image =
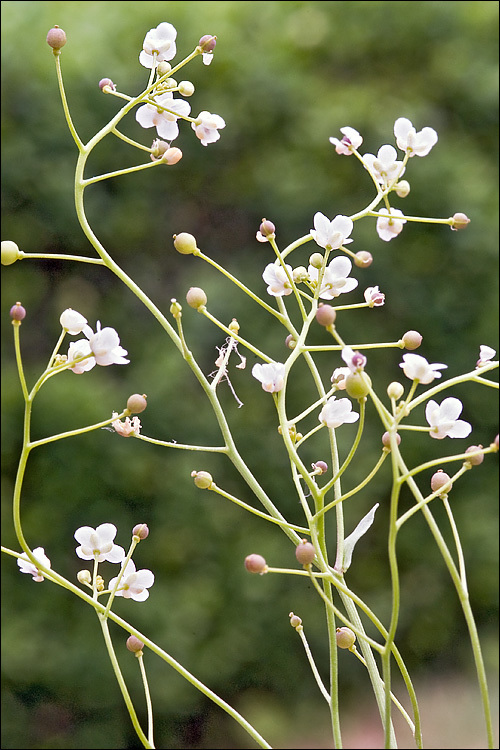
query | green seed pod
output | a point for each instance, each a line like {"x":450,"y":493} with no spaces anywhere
{"x":357,"y":384}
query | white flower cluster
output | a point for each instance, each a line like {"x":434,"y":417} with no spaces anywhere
{"x":159,"y":46}
{"x":99,"y":348}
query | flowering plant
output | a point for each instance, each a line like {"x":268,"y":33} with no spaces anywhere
{"x":295,"y":303}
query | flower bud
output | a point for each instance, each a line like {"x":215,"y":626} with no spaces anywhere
{"x":316,"y":260}
{"x":172,"y":156}
{"x":186,"y":88}
{"x":321,"y":467}
{"x":84,"y":576}
{"x":358,"y":384}
{"x":17,"y":312}
{"x":99,"y":583}
{"x":460,"y":221}
{"x":234,"y":326}
{"x":196,"y":297}
{"x":56,"y":38}
{"x":290,"y":341}
{"x":402,"y":188}
{"x":325,"y":315}
{"x":345,"y":638}
{"x":135,"y":645}
{"x":10,"y":252}
{"x":411,"y":340}
{"x":141,"y":530}
{"x":185,"y":243}
{"x":300,"y":274}
{"x":256,"y":564}
{"x":202,"y":479}
{"x":495,"y":442}
{"x":479,"y":458}
{"x":106,"y":83}
{"x":207,"y":43}
{"x":439,"y":479}
{"x":386,"y":439}
{"x":136,"y":403}
{"x":295,"y":621}
{"x":305,"y":552}
{"x":163,"y":68}
{"x":363,"y":259}
{"x":395,"y":390}
{"x":175,"y":309}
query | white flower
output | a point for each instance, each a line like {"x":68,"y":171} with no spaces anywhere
{"x":278,"y":282}
{"x":72,"y":321}
{"x":338,"y":377}
{"x":160,"y":40}
{"x":334,"y":413}
{"x":206,"y":127}
{"x":128,"y":427}
{"x":97,"y":544}
{"x":486,"y":353}
{"x":389,"y":225}
{"x":355,"y":361}
{"x":444,"y":421}
{"x":335,"y":279}
{"x":105,"y":346}
{"x":374,"y":297}
{"x":149,"y":116}
{"x":415,"y":144}
{"x":26,"y":566}
{"x":351,"y":141}
{"x":271,"y":375}
{"x":207,"y":57}
{"x":416,"y":367}
{"x":79,"y":349}
{"x":331,"y":234}
{"x":133,"y":583}
{"x":384,"y":166}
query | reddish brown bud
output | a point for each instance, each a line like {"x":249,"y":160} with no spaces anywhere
{"x":255,"y":564}
{"x":479,"y":458}
{"x":106,"y":82}
{"x":325,"y":315}
{"x":141,"y":530}
{"x":208,"y":42}
{"x":56,"y":38}
{"x":305,"y":552}
{"x":17,"y":312}
{"x":439,"y":480}
{"x":135,"y":645}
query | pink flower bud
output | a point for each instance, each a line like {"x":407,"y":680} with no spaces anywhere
{"x":439,"y":480}
{"x":479,"y":458}
{"x":412,"y":340}
{"x":17,"y":312}
{"x":172,"y":156}
{"x":325,"y":315}
{"x":321,"y":467}
{"x":386,"y":439}
{"x":305,"y":552}
{"x":136,"y":403}
{"x":460,"y":221}
{"x":135,"y":645}
{"x":255,"y":564}
{"x":141,"y":530}
{"x":106,"y":83}
{"x":56,"y":38}
{"x":290,"y":341}
{"x":207,"y":43}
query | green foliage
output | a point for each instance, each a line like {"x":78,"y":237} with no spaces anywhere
{"x":286,"y":76}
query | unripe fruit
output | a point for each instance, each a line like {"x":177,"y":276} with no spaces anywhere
{"x":358,"y":384}
{"x":202,"y":479}
{"x":136,"y":403}
{"x":196,"y":297}
{"x":305,"y":552}
{"x":56,"y":38}
{"x":439,"y":480}
{"x":185,"y":243}
{"x":345,"y":637}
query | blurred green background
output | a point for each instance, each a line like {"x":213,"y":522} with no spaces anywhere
{"x":286,"y":76}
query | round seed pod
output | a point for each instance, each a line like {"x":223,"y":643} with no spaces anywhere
{"x":305,"y":552}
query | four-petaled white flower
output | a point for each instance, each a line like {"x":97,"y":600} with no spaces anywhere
{"x":374,"y":297}
{"x":26,"y":566}
{"x":271,"y":375}
{"x":105,"y":346}
{"x":160,"y":41}
{"x":337,"y":412}
{"x":278,"y":282}
{"x":78,"y":349}
{"x":72,"y":321}
{"x":207,"y":126}
{"x":334,"y":281}
{"x":415,"y":144}
{"x":331,"y":234}
{"x":97,"y":544}
{"x":486,"y":353}
{"x":416,"y":367}
{"x":351,"y":141}
{"x":444,"y":421}
{"x":128,"y":427}
{"x":133,"y":584}
{"x":390,"y":224}
{"x":165,"y":122}
{"x":384,"y":166}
